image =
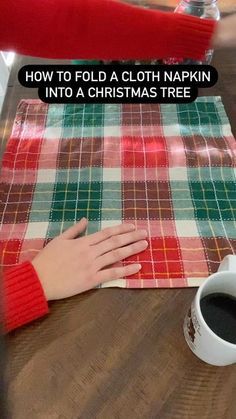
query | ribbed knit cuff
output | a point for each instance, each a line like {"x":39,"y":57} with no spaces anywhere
{"x":24,"y":299}
{"x":192,"y":36}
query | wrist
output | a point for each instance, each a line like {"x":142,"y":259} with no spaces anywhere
{"x":41,"y":277}
{"x":218,"y":40}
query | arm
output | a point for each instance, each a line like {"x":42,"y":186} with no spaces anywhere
{"x":67,"y":266}
{"x":24,"y":298}
{"x":99,"y":29}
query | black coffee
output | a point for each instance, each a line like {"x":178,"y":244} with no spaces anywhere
{"x":219,"y":312}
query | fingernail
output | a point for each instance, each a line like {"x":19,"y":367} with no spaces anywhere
{"x":139,"y":266}
{"x":144,"y":232}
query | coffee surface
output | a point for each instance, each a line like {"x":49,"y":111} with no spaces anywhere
{"x":219,"y":312}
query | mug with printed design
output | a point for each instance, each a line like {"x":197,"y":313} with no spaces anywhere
{"x":210,"y":324}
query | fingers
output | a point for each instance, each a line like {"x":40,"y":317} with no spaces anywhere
{"x":75,"y":230}
{"x":117,"y":273}
{"x":121,"y":253}
{"x":106,"y":233}
{"x":120,"y":240}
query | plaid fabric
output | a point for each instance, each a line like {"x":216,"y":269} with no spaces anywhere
{"x":167,"y":168}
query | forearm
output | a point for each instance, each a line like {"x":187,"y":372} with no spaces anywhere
{"x":99,"y":29}
{"x":24,"y":299}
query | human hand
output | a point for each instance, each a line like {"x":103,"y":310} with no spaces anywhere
{"x":69,"y":265}
{"x":225,"y":35}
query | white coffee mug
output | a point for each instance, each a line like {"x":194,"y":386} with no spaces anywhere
{"x":204,"y":343}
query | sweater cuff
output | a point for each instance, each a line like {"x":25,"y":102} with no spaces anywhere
{"x":24,"y":297}
{"x":193,"y":38}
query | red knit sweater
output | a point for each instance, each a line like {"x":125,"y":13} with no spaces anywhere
{"x":87,"y":29}
{"x":102,"y":29}
{"x":24,"y":299}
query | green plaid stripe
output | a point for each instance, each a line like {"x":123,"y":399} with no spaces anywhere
{"x":224,"y":174}
{"x":213,"y":200}
{"x":182,"y":201}
{"x":83,"y":175}
{"x":203,"y":117}
{"x":111,"y":201}
{"x":73,"y":201}
{"x":42,"y":201}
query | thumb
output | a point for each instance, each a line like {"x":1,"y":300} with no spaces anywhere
{"x":74,"y":231}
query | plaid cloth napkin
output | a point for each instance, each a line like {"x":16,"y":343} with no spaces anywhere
{"x":167,"y":168}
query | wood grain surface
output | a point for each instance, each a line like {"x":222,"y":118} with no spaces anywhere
{"x":111,"y":353}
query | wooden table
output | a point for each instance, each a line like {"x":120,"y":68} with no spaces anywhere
{"x":112,"y":353}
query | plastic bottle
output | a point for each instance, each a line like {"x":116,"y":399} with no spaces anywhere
{"x":205,"y":9}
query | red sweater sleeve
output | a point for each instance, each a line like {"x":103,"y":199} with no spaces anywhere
{"x":99,"y":29}
{"x":24,"y":299}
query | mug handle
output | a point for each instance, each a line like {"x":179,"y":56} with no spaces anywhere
{"x":228,"y":264}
